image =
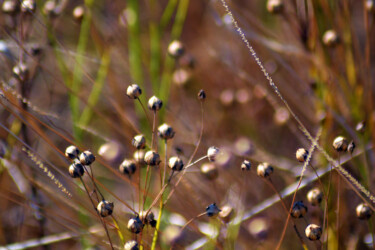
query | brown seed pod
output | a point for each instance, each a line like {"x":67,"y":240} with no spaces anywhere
{"x":133,"y":91}
{"x":212,"y":210}
{"x":340,"y":144}
{"x":154,"y":103}
{"x":313,"y":232}
{"x":246,"y":165}
{"x":139,"y":157}
{"x":175,"y":163}
{"x":330,"y":38}
{"x":72,"y":152}
{"x":28,"y":6}
{"x":76,"y":170}
{"x":226,"y":213}
{"x":128,"y":167}
{"x":176,"y":49}
{"x":299,"y":210}
{"x":264,"y":170}
{"x":209,"y":170}
{"x":139,"y":142}
{"x":152,"y":158}
{"x":148,"y":219}
{"x":131,"y":245}
{"x":301,"y":154}
{"x":105,"y":208}
{"x":201,"y":95}
{"x":275,"y":6}
{"x":86,"y":157}
{"x":165,"y":132}
{"x":315,"y":196}
{"x":363,"y":211}
{"x":135,"y":225}
{"x":212,"y":152}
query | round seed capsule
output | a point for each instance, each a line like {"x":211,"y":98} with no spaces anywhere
{"x":28,"y":6}
{"x":152,"y":158}
{"x":361,"y":127}
{"x":175,"y":163}
{"x":176,"y":49}
{"x":301,"y":154}
{"x":76,"y":170}
{"x":165,"y":132}
{"x":212,"y":210}
{"x":275,"y":6}
{"x":72,"y":152}
{"x":148,"y":218}
{"x":21,"y":71}
{"x":10,"y":6}
{"x":226,"y":213}
{"x":363,"y":211}
{"x":78,"y":13}
{"x":139,"y":142}
{"x":154,"y":103}
{"x":131,"y":245}
{"x":351,"y":147}
{"x":246,"y":165}
{"x":330,"y":38}
{"x":340,"y":144}
{"x":139,"y":157}
{"x":128,"y":167}
{"x":133,"y":91}
{"x":49,"y":8}
{"x":212,"y":152}
{"x":86,"y":157}
{"x":209,"y":171}
{"x":313,"y":232}
{"x":299,"y":210}
{"x":105,"y":208}
{"x":370,"y":5}
{"x":315,"y":196}
{"x":264,"y":170}
{"x":135,"y":225}
{"x":201,"y":95}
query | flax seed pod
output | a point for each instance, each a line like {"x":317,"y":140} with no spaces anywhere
{"x":139,"y":157}
{"x":212,"y":210}
{"x":131,"y":245}
{"x":226,"y":213}
{"x":175,"y":163}
{"x":139,"y":142}
{"x":78,"y":13}
{"x":315,"y":196}
{"x":313,"y":232}
{"x":86,"y":157}
{"x":148,"y":218}
{"x":201,"y":95}
{"x":301,"y":154}
{"x":165,"y":132}
{"x":340,"y":144}
{"x":264,"y":170}
{"x":72,"y":152}
{"x":299,"y":210}
{"x":152,"y":158}
{"x":28,"y":6}
{"x":212,"y":152}
{"x":10,"y":7}
{"x":135,"y":225}
{"x":209,"y":170}
{"x":128,"y":167}
{"x":176,"y":49}
{"x":105,"y":208}
{"x":21,"y":71}
{"x":351,"y":147}
{"x":275,"y":6}
{"x":133,"y":91}
{"x":246,"y":165}
{"x":154,"y":103}
{"x":330,"y":38}
{"x":363,"y":211}
{"x":76,"y":170}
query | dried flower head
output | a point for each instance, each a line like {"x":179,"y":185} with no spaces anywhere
{"x":139,"y":157}
{"x":72,"y":152}
{"x":330,"y":38}
{"x":148,"y":218}
{"x":128,"y":167}
{"x":76,"y":170}
{"x":139,"y":142}
{"x":133,"y":91}
{"x":152,"y":158}
{"x":363,"y":211}
{"x":135,"y":225}
{"x":246,"y":165}
{"x":176,"y":49}
{"x":105,"y":208}
{"x":299,"y":210}
{"x":301,"y":154}
{"x":313,"y":232}
{"x":212,"y":152}
{"x":131,"y":245}
{"x":340,"y":144}
{"x":175,"y":163}
{"x":264,"y":170}
{"x":87,"y":158}
{"x":209,"y":170}
{"x":212,"y":210}
{"x":226,"y":213}
{"x":201,"y":95}
{"x":165,"y":132}
{"x":275,"y":6}
{"x":154,"y":103}
{"x":315,"y":196}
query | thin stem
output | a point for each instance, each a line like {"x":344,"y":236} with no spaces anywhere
{"x":165,"y":162}
{"x":144,"y":110}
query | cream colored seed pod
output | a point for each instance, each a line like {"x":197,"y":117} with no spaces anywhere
{"x":246,"y":165}
{"x":330,"y":38}
{"x":315,"y":196}
{"x":363,"y":211}
{"x":165,"y":132}
{"x":78,"y":13}
{"x":313,"y":232}
{"x":299,"y":210}
{"x":28,"y":6}
{"x":154,"y":103}
{"x":176,"y":49}
{"x":275,"y":6}
{"x":264,"y":170}
{"x":209,"y":170}
{"x":135,"y":225}
{"x":10,"y":6}
{"x":133,"y":91}
{"x":76,"y":170}
{"x":226,"y":213}
{"x":86,"y":157}
{"x":340,"y":144}
{"x":212,"y":152}
{"x":175,"y":163}
{"x":72,"y":152}
{"x":139,"y":157}
{"x":131,"y":245}
{"x":139,"y":142}
{"x":152,"y":158}
{"x":105,"y":208}
{"x":148,"y":218}
{"x":301,"y":154}
{"x":21,"y":71}
{"x":128,"y":167}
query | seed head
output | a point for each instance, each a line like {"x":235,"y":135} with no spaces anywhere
{"x":105,"y":208}
{"x":201,"y":95}
{"x":139,"y":157}
{"x":133,"y":91}
{"x":299,"y":210}
{"x":176,"y":49}
{"x":154,"y":103}
{"x":361,"y":126}
{"x":330,"y":38}
{"x":175,"y":163}
{"x":212,"y":210}
{"x":135,"y":225}
{"x":363,"y":211}
{"x":78,"y":13}
{"x":139,"y":142}
{"x":275,"y":6}
{"x":21,"y":71}
{"x":152,"y":158}
{"x":313,"y":232}
{"x":131,"y":245}
{"x":49,"y":8}
{"x":340,"y":144}
{"x":165,"y":132}
{"x":210,"y":171}
{"x":72,"y":152}
{"x":147,"y":219}
{"x":86,"y":157}
{"x":128,"y":167}
{"x":264,"y":170}
{"x":315,"y":196}
{"x":246,"y":165}
{"x":301,"y":154}
{"x":212,"y":152}
{"x":76,"y":170}
{"x":370,"y":5}
{"x":226,"y":213}
{"x":351,"y":147}
{"x":10,"y":6}
{"x":28,"y":6}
